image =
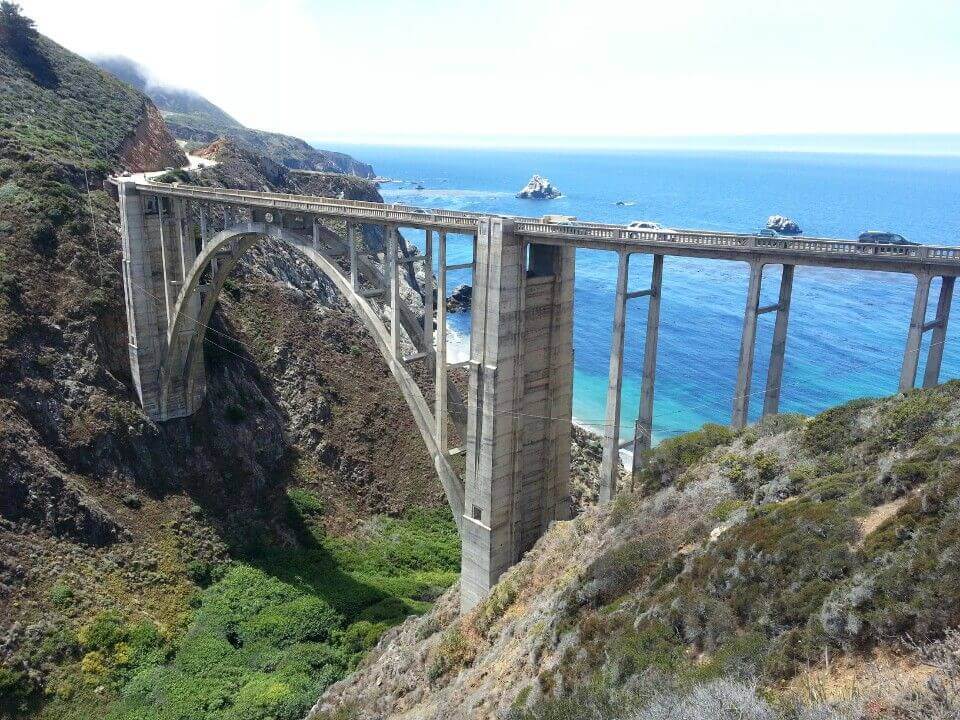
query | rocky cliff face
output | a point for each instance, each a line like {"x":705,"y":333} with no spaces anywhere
{"x":101,"y":510}
{"x":777,"y":573}
{"x":150,"y":146}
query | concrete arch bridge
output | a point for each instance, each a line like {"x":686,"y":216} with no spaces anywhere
{"x":516,"y":428}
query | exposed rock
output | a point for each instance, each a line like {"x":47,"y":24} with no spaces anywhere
{"x":783,"y":225}
{"x":460,"y":298}
{"x":539,"y":188}
{"x":149,"y":146}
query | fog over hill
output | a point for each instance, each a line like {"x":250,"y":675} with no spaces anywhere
{"x":195,"y":120}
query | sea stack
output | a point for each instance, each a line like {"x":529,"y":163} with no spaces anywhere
{"x":539,"y":189}
{"x":783,"y":225}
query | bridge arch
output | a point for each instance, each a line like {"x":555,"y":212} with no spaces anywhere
{"x":182,"y":360}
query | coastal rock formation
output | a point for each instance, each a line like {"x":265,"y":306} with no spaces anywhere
{"x":459,"y":300}
{"x":783,"y":225}
{"x":539,"y":188}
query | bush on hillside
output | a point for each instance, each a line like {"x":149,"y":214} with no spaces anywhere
{"x":18,"y":34}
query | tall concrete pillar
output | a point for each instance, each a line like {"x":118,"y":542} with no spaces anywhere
{"x":521,"y":365}
{"x":157,"y":244}
{"x":544,"y":474}
{"x":741,"y":394}
{"x":391,"y":262}
{"x":931,"y":373}
{"x":911,"y":353}
{"x":610,"y":464}
{"x":145,"y":340}
{"x":428,"y":297}
{"x":644,"y":428}
{"x":778,"y":349}
{"x":440,"y":383}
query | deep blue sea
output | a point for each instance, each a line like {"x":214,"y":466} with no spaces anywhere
{"x":847,"y":329}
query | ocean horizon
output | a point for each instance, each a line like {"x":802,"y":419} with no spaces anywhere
{"x":847,"y":328}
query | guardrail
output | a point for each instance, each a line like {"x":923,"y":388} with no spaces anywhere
{"x":577,"y":232}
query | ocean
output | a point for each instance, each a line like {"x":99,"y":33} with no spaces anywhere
{"x":847,"y":328}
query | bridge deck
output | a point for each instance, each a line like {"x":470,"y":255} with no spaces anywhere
{"x":824,"y":252}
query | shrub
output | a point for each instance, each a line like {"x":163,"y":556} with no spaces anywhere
{"x":777,"y":424}
{"x":834,"y":430}
{"x":618,"y":569}
{"x":453,"y":652}
{"x":767,"y":465}
{"x":305,"y":501}
{"x":734,"y":468}
{"x":904,"y":420}
{"x":664,"y":463}
{"x":17,"y":692}
{"x":61,"y":595}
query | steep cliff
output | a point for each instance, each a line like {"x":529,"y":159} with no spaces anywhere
{"x":122,"y":537}
{"x":783,"y":572}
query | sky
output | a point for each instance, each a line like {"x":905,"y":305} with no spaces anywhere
{"x":582,"y":72}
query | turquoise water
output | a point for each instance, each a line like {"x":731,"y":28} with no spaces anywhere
{"x":847,"y":329}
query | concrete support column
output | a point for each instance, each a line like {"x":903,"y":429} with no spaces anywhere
{"x":352,"y":250}
{"x":741,"y":394}
{"x":610,"y":465}
{"x":644,"y":428}
{"x":493,"y":404}
{"x":428,"y":298}
{"x":931,"y":373}
{"x":440,"y":402}
{"x":542,"y":490}
{"x":145,"y":343}
{"x":394,"y":284}
{"x":165,"y":263}
{"x":911,"y":353}
{"x":778,"y":349}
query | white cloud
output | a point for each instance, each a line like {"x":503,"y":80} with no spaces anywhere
{"x":396,"y":70}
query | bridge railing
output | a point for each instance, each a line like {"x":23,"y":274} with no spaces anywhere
{"x":466,"y":222}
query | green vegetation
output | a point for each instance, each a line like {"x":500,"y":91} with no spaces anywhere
{"x":665,"y":463}
{"x":802,"y":568}
{"x":270,"y":631}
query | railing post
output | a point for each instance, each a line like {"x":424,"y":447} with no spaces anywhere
{"x":778,"y":349}
{"x":931,"y":373}
{"x":911,"y":353}
{"x":741,"y":394}
{"x":610,"y":464}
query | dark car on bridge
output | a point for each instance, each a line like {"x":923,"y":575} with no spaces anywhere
{"x":878,"y":237}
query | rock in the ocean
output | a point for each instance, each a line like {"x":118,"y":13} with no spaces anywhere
{"x":539,"y":189}
{"x":783,"y":225}
{"x":460,"y":299}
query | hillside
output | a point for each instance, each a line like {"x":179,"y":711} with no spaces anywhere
{"x":227,"y":565}
{"x":799,"y":569}
{"x":193,"y":119}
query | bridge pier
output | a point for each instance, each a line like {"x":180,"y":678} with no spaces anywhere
{"x":643,"y":436}
{"x":518,"y":428}
{"x":778,"y":348}
{"x":610,"y":463}
{"x":157,"y":242}
{"x":931,"y":373}
{"x":911,"y":353}
{"x":748,"y":339}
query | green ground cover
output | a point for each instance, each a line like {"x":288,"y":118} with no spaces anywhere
{"x":270,"y":631}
